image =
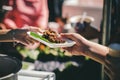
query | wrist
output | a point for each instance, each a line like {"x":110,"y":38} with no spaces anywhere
{"x":95,"y":49}
{"x":114,"y":53}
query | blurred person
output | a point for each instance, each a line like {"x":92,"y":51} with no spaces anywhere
{"x":108,"y":57}
{"x":26,"y":12}
{"x":55,"y":14}
{"x":55,"y":9}
{"x":58,"y":25}
{"x":62,"y":22}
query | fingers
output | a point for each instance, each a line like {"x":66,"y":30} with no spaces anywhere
{"x":33,"y":46}
{"x":29,"y":40}
{"x":26,"y":40}
{"x":71,"y":36}
{"x":74,"y":36}
{"x":67,"y":35}
{"x":69,"y":49}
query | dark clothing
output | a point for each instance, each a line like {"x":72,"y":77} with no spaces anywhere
{"x":8,"y":48}
{"x":9,"y":65}
{"x":55,"y":9}
{"x":10,"y":59}
{"x":112,"y":65}
{"x":115,"y":23}
{"x":115,"y":38}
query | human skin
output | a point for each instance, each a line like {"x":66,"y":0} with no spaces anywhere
{"x":18,"y":35}
{"x":85,"y":47}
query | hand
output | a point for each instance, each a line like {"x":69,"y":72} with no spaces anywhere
{"x":33,"y":28}
{"x":21,"y":36}
{"x":80,"y":47}
{"x":85,"y":47}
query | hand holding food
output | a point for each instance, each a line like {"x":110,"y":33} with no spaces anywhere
{"x":19,"y":36}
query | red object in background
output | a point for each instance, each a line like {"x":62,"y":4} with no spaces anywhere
{"x":27,"y":12}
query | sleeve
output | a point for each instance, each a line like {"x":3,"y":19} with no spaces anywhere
{"x":114,"y":53}
{"x":112,"y":65}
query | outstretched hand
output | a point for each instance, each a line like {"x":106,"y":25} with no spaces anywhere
{"x":80,"y":47}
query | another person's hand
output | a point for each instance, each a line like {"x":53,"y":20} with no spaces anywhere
{"x":33,"y":29}
{"x":21,"y":36}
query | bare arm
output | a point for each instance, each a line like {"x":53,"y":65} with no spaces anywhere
{"x":85,"y":47}
{"x":96,"y":51}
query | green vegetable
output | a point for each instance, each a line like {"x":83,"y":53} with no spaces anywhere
{"x":38,"y":36}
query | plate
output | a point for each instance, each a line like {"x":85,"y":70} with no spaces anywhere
{"x":38,"y":37}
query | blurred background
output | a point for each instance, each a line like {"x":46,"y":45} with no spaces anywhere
{"x":63,"y":16}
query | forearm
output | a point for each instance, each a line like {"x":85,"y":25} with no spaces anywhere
{"x":97,"y":52}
